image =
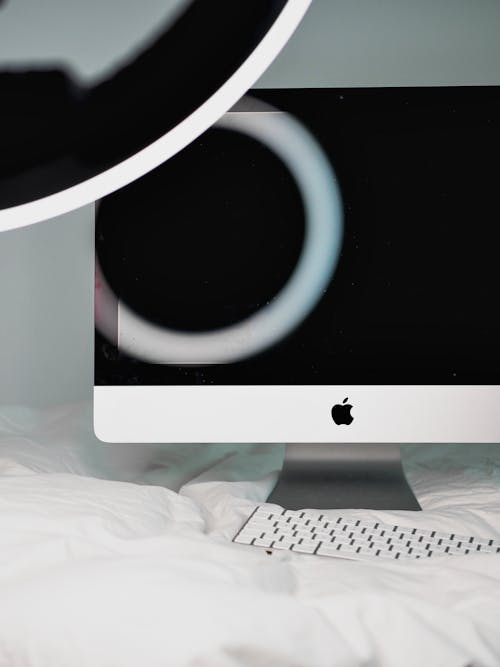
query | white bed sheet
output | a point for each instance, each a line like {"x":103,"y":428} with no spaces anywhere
{"x":119,"y":556}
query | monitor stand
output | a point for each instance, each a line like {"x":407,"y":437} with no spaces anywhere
{"x":340,"y":476}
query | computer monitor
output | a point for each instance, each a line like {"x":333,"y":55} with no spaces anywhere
{"x":319,"y":267}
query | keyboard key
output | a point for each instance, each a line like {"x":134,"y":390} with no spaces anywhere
{"x":305,"y":547}
{"x":259,"y":542}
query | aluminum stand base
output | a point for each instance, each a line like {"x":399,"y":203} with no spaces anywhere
{"x":332,"y":476}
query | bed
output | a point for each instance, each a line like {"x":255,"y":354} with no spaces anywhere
{"x":122,"y":556}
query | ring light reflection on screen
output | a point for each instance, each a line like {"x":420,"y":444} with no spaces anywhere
{"x":291,"y":142}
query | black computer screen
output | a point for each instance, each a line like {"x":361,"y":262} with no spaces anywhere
{"x":211,"y":236}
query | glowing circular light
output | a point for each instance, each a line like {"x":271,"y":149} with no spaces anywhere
{"x":92,"y":188}
{"x":290,"y":141}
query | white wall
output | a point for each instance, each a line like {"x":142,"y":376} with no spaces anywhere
{"x":46,"y":278}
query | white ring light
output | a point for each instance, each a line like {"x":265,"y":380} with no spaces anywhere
{"x":316,"y":181}
{"x":173,"y":141}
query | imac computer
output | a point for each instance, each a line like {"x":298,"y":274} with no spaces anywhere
{"x":320,"y":268}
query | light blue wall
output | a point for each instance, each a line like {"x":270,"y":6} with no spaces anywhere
{"x":46,"y":286}
{"x":46,"y":279}
{"x":392,"y":43}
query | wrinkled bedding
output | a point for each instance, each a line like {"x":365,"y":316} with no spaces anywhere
{"x":122,"y":556}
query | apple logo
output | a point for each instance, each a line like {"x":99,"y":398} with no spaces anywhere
{"x":341,"y":413}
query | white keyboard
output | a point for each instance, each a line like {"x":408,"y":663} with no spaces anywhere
{"x":310,"y":532}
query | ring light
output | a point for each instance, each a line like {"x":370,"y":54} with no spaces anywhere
{"x":291,"y":142}
{"x":70,"y":145}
